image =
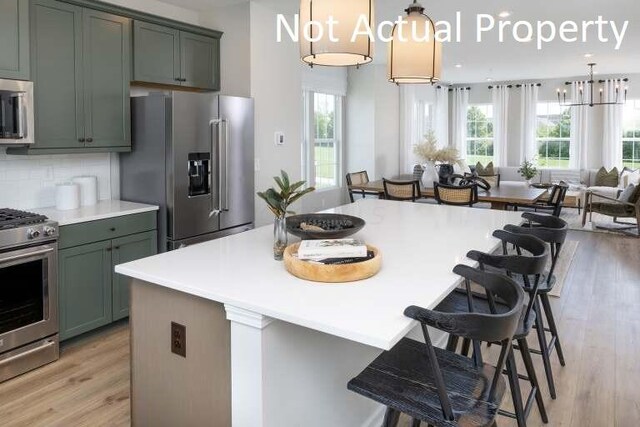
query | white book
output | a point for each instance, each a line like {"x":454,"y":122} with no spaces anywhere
{"x":332,"y":248}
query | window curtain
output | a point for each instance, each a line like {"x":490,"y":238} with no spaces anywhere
{"x":408,"y":128}
{"x":612,"y":126}
{"x":441,"y":116}
{"x":500,"y":95}
{"x":459,"y":107}
{"x":579,"y":129}
{"x":529,"y":120}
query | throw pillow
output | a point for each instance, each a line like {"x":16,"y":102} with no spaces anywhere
{"x":607,"y":179}
{"x":626,"y":194}
{"x":635,"y":196}
{"x":485,"y":170}
{"x":629,"y":176}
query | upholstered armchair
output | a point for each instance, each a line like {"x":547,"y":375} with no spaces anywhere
{"x":615,"y":208}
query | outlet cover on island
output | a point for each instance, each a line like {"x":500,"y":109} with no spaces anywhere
{"x":279,"y":138}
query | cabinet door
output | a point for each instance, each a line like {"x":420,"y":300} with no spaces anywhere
{"x":199,"y":61}
{"x":14,"y":33}
{"x":56,"y":66}
{"x":106,"y":59}
{"x":156,"y":54}
{"x":126,"y":249}
{"x":84,"y":288}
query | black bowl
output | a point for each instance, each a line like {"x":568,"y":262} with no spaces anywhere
{"x":336,"y":226}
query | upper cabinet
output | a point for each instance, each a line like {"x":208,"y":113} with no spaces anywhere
{"x":166,"y":56}
{"x":14,"y":39}
{"x":81,"y":72}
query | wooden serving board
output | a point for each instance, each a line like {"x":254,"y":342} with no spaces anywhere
{"x":338,"y":273}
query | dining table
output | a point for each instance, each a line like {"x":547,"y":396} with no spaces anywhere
{"x":500,"y":197}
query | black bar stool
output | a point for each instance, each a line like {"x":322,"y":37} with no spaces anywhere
{"x":527,"y":268}
{"x":552,"y":230}
{"x":438,"y":386}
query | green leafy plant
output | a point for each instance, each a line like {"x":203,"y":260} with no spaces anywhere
{"x":528,"y":169}
{"x":278,"y":201}
{"x":428,"y":151}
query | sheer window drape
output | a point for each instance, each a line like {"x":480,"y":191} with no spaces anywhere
{"x":500,"y":95}
{"x":529,"y":120}
{"x":579,"y":129}
{"x":612,"y":126}
{"x":459,"y":107}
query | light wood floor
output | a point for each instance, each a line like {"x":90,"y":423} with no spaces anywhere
{"x":598,"y":316}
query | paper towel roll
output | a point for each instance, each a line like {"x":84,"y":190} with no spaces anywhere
{"x":88,"y":189}
{"x":67,"y":196}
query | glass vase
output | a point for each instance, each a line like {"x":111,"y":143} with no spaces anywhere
{"x":279,"y":237}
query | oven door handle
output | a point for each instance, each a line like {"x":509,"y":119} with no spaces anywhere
{"x":28,"y":352}
{"x":9,"y":258}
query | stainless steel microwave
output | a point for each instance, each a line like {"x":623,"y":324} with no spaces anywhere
{"x":16,"y":112}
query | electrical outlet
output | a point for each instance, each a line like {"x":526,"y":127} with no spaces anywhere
{"x":178,"y":339}
{"x":278,"y":138}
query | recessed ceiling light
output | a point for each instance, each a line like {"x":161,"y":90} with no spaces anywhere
{"x":504,"y":14}
{"x":489,"y":79}
{"x":588,"y":55}
{"x":458,"y":65}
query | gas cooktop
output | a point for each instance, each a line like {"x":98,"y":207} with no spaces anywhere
{"x":20,"y":227}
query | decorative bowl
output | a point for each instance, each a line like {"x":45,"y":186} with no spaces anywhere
{"x":334,"y":226}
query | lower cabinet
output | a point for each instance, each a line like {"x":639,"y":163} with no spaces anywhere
{"x":91,"y":294}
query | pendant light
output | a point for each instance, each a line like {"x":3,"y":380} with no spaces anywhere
{"x":346,"y":14}
{"x":415,"y":56}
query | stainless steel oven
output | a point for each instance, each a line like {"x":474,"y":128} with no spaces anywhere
{"x":28,"y":298}
{"x":16,"y":112}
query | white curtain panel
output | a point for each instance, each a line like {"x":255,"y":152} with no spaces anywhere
{"x":579,"y":129}
{"x":500,"y":95}
{"x":407,"y":128}
{"x":441,"y":115}
{"x":612,"y":126}
{"x":460,"y":104}
{"x":529,"y":120}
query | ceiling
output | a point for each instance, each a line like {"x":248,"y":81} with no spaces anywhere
{"x":511,"y":60}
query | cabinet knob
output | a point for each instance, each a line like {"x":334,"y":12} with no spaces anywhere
{"x":116,"y":248}
{"x":81,"y":139}
{"x":112,"y":229}
{"x":89,"y":139}
{"x":108,"y":249}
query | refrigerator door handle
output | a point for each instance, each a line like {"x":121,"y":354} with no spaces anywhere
{"x":224,"y":161}
{"x":215,"y":210}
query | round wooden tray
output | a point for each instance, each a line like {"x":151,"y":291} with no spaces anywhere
{"x":339,"y":273}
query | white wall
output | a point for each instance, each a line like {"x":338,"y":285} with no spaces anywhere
{"x":235,"y":46}
{"x":373,"y":122}
{"x":28,"y":182}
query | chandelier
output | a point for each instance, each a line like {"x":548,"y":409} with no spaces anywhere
{"x":586,"y":96}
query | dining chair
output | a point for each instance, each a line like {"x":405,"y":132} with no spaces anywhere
{"x":528,"y":263}
{"x":456,"y":195}
{"x":401,"y":190}
{"x":553,"y":204}
{"x":358,"y":178}
{"x":440,"y":387}
{"x":553,"y":231}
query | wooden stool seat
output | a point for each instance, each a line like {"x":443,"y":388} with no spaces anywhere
{"x":401,"y":378}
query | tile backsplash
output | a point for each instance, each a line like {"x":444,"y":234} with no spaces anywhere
{"x":28,"y":182}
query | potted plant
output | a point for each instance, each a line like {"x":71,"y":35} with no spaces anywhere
{"x":278,"y":202}
{"x":528,"y":170}
{"x":442,"y":158}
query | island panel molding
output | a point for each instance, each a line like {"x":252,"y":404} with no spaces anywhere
{"x":246,"y":317}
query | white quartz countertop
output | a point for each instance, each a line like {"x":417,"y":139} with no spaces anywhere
{"x":102,"y":210}
{"x":420,"y":244}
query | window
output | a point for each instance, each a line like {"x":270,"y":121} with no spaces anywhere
{"x":553,"y":135}
{"x":480,"y":134}
{"x":323,"y":149}
{"x":631,"y":134}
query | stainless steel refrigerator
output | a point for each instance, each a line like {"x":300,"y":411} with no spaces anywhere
{"x":193,"y":156}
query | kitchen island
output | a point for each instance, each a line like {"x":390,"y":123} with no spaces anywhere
{"x":264,"y":348}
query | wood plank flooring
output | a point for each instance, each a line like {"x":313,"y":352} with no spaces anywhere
{"x":598,"y":316}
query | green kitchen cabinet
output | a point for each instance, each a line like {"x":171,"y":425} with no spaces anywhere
{"x":167,"y":56}
{"x":126,"y":249}
{"x":156,"y":56}
{"x":80,"y":60}
{"x":14,"y":34}
{"x":199,"y":56}
{"x":85,"y":288}
{"x":90,"y":293}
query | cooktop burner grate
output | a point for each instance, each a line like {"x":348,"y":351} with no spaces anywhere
{"x":11,"y":218}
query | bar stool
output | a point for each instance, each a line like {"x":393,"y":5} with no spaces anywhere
{"x":552,"y":230}
{"x":438,"y":386}
{"x":529,"y":269}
